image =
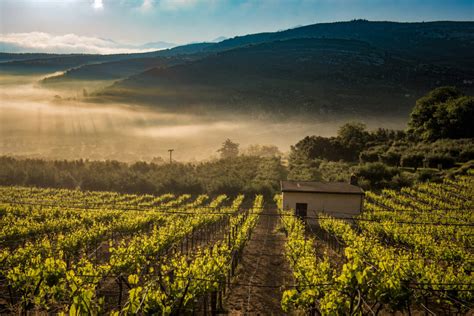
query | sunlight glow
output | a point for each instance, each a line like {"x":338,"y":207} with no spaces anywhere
{"x":98,"y":4}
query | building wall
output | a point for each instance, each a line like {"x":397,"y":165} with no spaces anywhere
{"x":331,"y":203}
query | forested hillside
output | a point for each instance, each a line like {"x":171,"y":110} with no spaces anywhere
{"x":315,"y":77}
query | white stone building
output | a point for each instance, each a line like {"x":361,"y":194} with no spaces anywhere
{"x":308,"y":198}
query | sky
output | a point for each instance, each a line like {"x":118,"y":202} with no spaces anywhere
{"x":108,"y":26}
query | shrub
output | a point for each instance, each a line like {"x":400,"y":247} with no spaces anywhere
{"x":426,"y":175}
{"x":403,"y":179}
{"x":413,"y":160}
{"x":466,"y":155}
{"x":376,"y":175}
{"x":391,"y":158}
{"x":369,"y":156}
{"x":336,"y":171}
{"x":436,"y":160}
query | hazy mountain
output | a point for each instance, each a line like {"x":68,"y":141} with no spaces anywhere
{"x":124,"y":66}
{"x":45,"y":63}
{"x":49,"y":63}
{"x":448,"y":42}
{"x":6,"y":57}
{"x":52,"y":63}
{"x":298,"y":76}
{"x":157,"y":45}
{"x":189,"y":49}
{"x":428,"y":40}
{"x":219,"y":39}
{"x":115,"y":69}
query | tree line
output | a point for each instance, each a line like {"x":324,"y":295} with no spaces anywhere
{"x":242,"y":174}
{"x":439,"y":135}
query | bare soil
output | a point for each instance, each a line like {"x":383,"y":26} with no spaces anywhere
{"x":263,"y":265}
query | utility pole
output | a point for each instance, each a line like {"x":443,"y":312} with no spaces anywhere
{"x":171,"y":155}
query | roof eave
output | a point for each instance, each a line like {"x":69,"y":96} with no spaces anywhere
{"x":307,"y":191}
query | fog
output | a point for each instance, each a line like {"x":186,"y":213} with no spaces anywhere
{"x":55,"y":123}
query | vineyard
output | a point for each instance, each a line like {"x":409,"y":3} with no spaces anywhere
{"x":88,"y":253}
{"x":409,"y":251}
{"x":92,"y":253}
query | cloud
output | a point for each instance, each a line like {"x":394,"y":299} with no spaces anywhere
{"x":39,"y":42}
{"x":98,"y":4}
{"x":146,"y":5}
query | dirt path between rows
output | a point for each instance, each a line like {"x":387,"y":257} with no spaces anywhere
{"x":263,"y":263}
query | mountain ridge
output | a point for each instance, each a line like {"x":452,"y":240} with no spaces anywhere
{"x":433,"y":41}
{"x":297,"y":76}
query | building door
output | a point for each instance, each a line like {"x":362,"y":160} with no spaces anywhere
{"x":301,"y":210}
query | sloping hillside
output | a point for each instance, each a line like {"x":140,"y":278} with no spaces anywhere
{"x":51,"y":63}
{"x":299,"y":76}
{"x":450,"y":43}
{"x":446,"y":41}
{"x":115,"y":69}
{"x":7,"y":57}
{"x":44,"y":63}
{"x":430,"y":40}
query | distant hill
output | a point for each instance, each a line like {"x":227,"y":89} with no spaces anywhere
{"x":219,"y":39}
{"x":427,"y":40}
{"x":7,"y":57}
{"x":126,"y":65}
{"x":44,"y":63}
{"x":112,"y":70}
{"x":298,"y":76}
{"x":156,"y":45}
{"x":95,"y":66}
{"x":450,"y":42}
{"x":47,"y":64}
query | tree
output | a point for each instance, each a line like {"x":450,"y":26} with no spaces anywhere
{"x":434,"y":160}
{"x":459,"y":118}
{"x":351,"y":140}
{"x":391,"y":158}
{"x":301,"y":166}
{"x":383,"y":135}
{"x":318,"y":147}
{"x":413,"y":160}
{"x":229,"y":149}
{"x":376,"y":175}
{"x":354,"y":137}
{"x":269,"y":173}
{"x":370,"y":155}
{"x":158,"y":160}
{"x":443,"y":113}
{"x":267,"y":151}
